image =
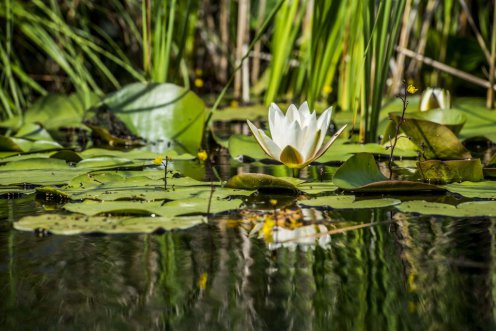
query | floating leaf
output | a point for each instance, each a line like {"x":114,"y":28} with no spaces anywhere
{"x":349,"y":202}
{"x":436,"y":171}
{"x":24,"y":145}
{"x":245,"y":146}
{"x":107,"y":163}
{"x":451,"y":118}
{"x":80,"y":224}
{"x":35,"y":164}
{"x":466,"y":209}
{"x":485,"y":189}
{"x":317,"y":187}
{"x":435,"y":140}
{"x":54,"y":111}
{"x":170,"y":209}
{"x":249,"y":181}
{"x":33,"y":131}
{"x":361,"y":174}
{"x":161,"y":112}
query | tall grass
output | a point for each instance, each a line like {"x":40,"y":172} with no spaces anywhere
{"x":381,"y":23}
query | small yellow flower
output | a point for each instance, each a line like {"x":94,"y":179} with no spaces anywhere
{"x":273,"y":202}
{"x":199,"y":82}
{"x":158,"y":160}
{"x":202,"y":155}
{"x":202,"y":281}
{"x":327,"y":89}
{"x":411,"y":89}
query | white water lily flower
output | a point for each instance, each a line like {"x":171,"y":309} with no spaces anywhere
{"x":435,"y":98}
{"x":297,"y":138}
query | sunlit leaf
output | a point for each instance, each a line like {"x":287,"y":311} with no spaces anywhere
{"x":80,"y":224}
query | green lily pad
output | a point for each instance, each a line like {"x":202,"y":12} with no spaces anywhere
{"x":107,"y":163}
{"x":435,"y":140}
{"x":485,"y":189}
{"x":466,"y":209}
{"x":109,"y":186}
{"x":245,"y":146}
{"x":317,"y":187}
{"x":249,"y":181}
{"x":35,"y":164}
{"x":80,"y":224}
{"x":349,"y":202}
{"x":436,"y":171}
{"x":54,"y":110}
{"x":361,"y":174}
{"x":451,"y":118}
{"x":169,"y":209}
{"x":161,"y":113}
{"x":11,"y":144}
{"x":33,"y":131}
{"x":39,"y":177}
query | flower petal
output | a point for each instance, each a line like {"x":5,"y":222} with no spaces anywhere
{"x":311,"y":146}
{"x":292,"y":114}
{"x":273,"y":148}
{"x":258,"y":137}
{"x":323,"y":125}
{"x":276,"y":118}
{"x":328,"y":144}
{"x":291,"y":157}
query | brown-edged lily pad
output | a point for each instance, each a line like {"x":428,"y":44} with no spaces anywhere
{"x":436,"y":141}
{"x":442,"y":172}
{"x":261,"y":182}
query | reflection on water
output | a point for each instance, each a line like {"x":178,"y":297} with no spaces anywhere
{"x":415,"y":273}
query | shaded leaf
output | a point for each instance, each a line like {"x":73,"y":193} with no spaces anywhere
{"x":436,"y":171}
{"x":435,"y":140}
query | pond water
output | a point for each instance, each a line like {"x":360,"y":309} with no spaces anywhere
{"x":406,"y":272}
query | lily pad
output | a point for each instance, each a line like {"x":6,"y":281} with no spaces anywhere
{"x":485,"y":189}
{"x":11,"y":144}
{"x":262,"y":182}
{"x":466,"y":209}
{"x":80,"y":224}
{"x":349,"y":202}
{"x":436,"y":141}
{"x":161,"y":113}
{"x":33,"y":131}
{"x":441,"y":172}
{"x":317,"y":187}
{"x":451,"y":118}
{"x":169,"y":209}
{"x":55,"y":110}
{"x":245,"y":146}
{"x":361,"y":174}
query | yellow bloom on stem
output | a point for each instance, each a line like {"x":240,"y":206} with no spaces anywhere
{"x":202,"y":155}
{"x":411,"y":89}
{"x":158,"y":160}
{"x":297,"y":137}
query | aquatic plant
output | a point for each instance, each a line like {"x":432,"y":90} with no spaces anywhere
{"x":435,"y":98}
{"x":297,"y":138}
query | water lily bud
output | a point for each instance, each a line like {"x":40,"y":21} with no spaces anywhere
{"x":433,"y":98}
{"x":297,"y":137}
